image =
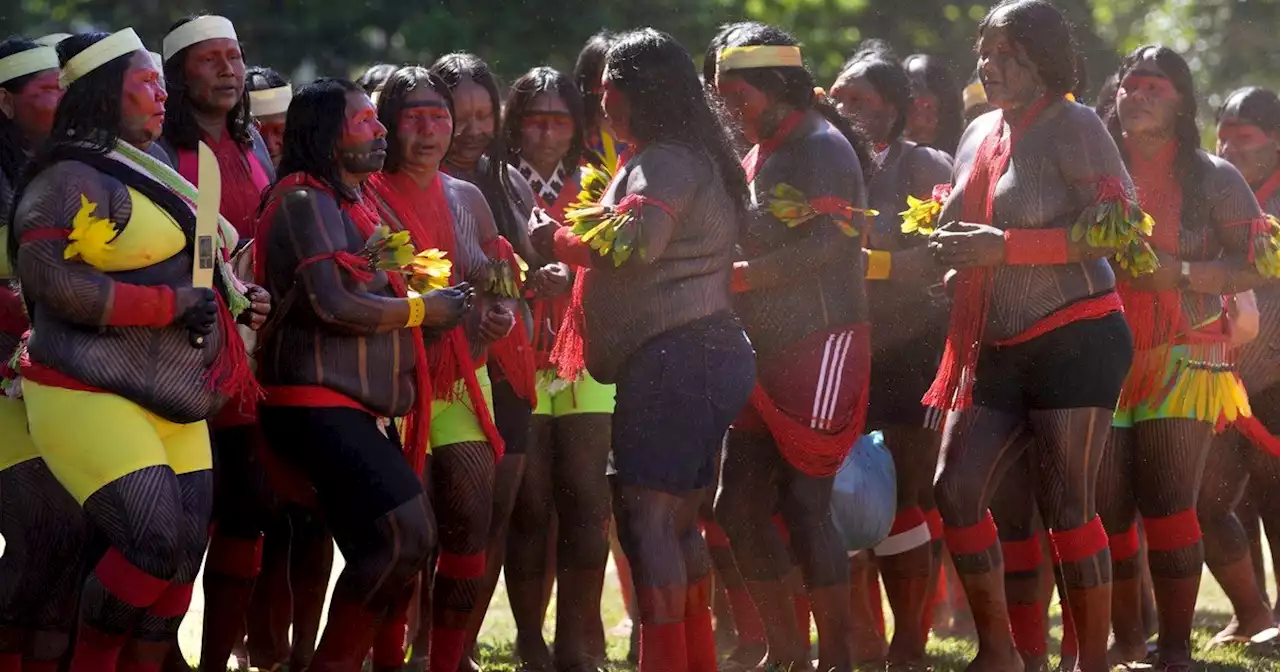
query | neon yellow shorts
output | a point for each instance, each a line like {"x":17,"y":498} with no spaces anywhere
{"x":16,"y":446}
{"x":584,"y":396}
{"x":90,"y":439}
{"x":1194,"y":393}
{"x":456,"y":421}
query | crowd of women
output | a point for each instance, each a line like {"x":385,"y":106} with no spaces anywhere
{"x":466,"y":333}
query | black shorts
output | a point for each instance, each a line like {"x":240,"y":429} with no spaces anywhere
{"x":359,"y":473}
{"x":677,"y":396}
{"x":511,"y":414}
{"x":899,"y":379}
{"x":1081,"y":365}
{"x":241,"y":501}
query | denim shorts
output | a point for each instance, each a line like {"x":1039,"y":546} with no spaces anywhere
{"x":677,"y":396}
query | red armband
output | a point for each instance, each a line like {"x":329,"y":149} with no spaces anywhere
{"x":738,"y":280}
{"x":141,"y":306}
{"x":1035,"y":247}
{"x":571,"y":250}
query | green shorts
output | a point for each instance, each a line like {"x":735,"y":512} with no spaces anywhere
{"x":456,"y":421}
{"x":1188,"y":391}
{"x":557,"y":398}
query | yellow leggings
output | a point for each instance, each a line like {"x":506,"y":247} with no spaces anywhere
{"x":16,"y":446}
{"x":90,"y":439}
{"x":456,"y":421}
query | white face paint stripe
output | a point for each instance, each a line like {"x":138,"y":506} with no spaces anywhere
{"x":822,"y":377}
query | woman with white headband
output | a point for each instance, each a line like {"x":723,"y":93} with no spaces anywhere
{"x":42,"y":526}
{"x":269,"y":98}
{"x":204,"y":74}
{"x":124,"y":346}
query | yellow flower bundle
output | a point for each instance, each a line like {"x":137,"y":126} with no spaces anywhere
{"x":1266,"y":247}
{"x":1116,"y":222}
{"x":394,"y":253}
{"x":609,"y":232}
{"x":791,"y":207}
{"x":921,"y":216}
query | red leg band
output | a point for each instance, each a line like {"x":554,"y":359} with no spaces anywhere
{"x":907,"y":519}
{"x":174,"y":602}
{"x":388,"y":644}
{"x":238,"y":558}
{"x":1125,"y":545}
{"x":128,"y":583}
{"x":447,"y":646}
{"x":936,"y":528}
{"x":1174,"y":532}
{"x":453,"y":566}
{"x":700,"y":638}
{"x":663,"y":648}
{"x":1079,"y":544}
{"x":973,"y":539}
{"x":716,"y":538}
{"x":1035,"y":247}
{"x":1027,"y":622}
{"x":745,"y":616}
{"x":95,"y":650}
{"x":1025,"y":555}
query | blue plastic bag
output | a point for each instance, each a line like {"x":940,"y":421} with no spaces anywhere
{"x":864,"y":497}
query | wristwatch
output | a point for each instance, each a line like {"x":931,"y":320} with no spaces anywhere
{"x":1184,"y":277}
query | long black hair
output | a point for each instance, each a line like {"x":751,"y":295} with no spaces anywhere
{"x":180,"y":127}
{"x":1043,"y":32}
{"x":494,"y":182}
{"x":12,"y":158}
{"x":1190,"y":166}
{"x":261,"y":78}
{"x":375,"y":77}
{"x":312,"y":130}
{"x":876,"y":61}
{"x":89,"y":111}
{"x":391,"y":104}
{"x":587,"y":72}
{"x":668,"y":103}
{"x":523,"y":92}
{"x":936,"y":78}
{"x":1253,"y":104}
{"x":793,"y":86}
{"x":711,"y":56}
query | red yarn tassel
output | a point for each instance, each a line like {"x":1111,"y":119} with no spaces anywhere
{"x":569,"y":352}
{"x":230,"y":374}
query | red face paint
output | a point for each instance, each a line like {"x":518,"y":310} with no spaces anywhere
{"x":1250,"y":149}
{"x":474,"y":123}
{"x":363,"y":145}
{"x":1007,"y":73}
{"x":215,"y":74}
{"x":35,"y":105}
{"x":1146,"y":101}
{"x":617,"y":110}
{"x":424,"y":130}
{"x":142,"y":102}
{"x":858,"y":101}
{"x":546,"y":130}
{"x":745,"y":102}
{"x":271,"y":128}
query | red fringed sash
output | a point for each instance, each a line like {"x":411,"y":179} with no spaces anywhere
{"x":569,"y":353}
{"x":514,"y":353}
{"x":417,"y":424}
{"x":952,"y":388}
{"x":425,"y":214}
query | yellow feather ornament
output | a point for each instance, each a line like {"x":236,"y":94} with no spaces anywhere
{"x":91,"y":236}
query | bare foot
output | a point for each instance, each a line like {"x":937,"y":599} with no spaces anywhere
{"x":987,"y":661}
{"x":1119,"y":654}
{"x":1240,"y":632}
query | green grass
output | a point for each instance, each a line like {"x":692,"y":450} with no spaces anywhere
{"x":946,"y":654}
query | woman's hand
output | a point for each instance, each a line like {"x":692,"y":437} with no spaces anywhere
{"x":259,"y":307}
{"x":549,"y":281}
{"x":1163,"y":278}
{"x":965,"y":245}
{"x":445,"y":308}
{"x":496,"y":323}
{"x":196,"y":309}
{"x":542,"y":233}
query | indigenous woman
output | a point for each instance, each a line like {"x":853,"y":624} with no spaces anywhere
{"x":120,"y":339}
{"x":346,"y":354}
{"x":1248,"y":137}
{"x":807,"y":320}
{"x":204,"y":75}
{"x":569,"y":444}
{"x":269,"y":96}
{"x":875,"y":92}
{"x":680,"y":360}
{"x":477,"y":155}
{"x":937,"y":107}
{"x":1213,"y":240}
{"x":450,"y":215}
{"x":42,"y":526}
{"x":597,"y":134}
{"x":1037,"y":347}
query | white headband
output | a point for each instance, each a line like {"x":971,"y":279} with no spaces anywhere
{"x":52,"y":39}
{"x":99,"y":54}
{"x":27,"y":62}
{"x":267,"y":102}
{"x":196,"y":31}
{"x":157,"y":59}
